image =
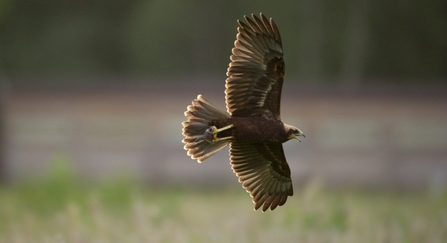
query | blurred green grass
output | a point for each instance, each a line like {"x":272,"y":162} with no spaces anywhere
{"x":60,"y":208}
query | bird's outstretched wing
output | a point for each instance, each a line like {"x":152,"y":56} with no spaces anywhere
{"x":256,"y":71}
{"x":263,"y":171}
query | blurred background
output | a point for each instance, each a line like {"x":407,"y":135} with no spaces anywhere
{"x":92,"y":95}
{"x":104,"y":84}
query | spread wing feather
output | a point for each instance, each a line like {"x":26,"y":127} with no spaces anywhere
{"x":256,"y":72}
{"x":263,"y":171}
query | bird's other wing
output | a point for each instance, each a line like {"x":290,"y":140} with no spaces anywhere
{"x":256,"y":71}
{"x":263,"y":171}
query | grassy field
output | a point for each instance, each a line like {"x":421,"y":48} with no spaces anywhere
{"x":61,"y":209}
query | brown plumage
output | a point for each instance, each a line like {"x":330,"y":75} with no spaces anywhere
{"x":253,"y":125}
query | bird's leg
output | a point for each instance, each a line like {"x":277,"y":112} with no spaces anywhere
{"x":210,"y":134}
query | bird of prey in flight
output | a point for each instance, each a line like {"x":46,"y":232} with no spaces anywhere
{"x":252,"y":125}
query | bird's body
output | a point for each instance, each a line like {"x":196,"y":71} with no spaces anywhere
{"x":252,"y":125}
{"x":252,"y":129}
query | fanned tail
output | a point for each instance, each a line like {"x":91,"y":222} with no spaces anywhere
{"x":199,"y":114}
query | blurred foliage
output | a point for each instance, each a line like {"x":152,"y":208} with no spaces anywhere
{"x":61,"y":208}
{"x":345,"y":40}
{"x":61,"y":185}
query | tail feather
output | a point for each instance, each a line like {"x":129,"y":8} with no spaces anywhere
{"x":199,"y":114}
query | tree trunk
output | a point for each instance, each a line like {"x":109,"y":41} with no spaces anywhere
{"x":310,"y":64}
{"x":357,"y":37}
{"x":3,"y":94}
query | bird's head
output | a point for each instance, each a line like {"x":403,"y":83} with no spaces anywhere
{"x":294,"y":132}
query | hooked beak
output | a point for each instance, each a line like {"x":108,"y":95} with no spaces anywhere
{"x":298,"y":134}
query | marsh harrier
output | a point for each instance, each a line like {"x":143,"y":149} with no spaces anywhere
{"x":252,"y":125}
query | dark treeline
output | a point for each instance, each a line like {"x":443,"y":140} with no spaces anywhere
{"x":350,"y":41}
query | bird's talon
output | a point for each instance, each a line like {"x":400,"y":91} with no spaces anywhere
{"x":210,"y":134}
